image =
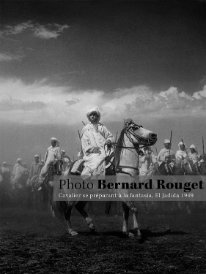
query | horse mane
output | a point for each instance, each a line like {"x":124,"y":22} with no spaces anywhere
{"x":119,"y":145}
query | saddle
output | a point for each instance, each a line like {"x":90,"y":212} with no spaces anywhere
{"x":77,"y":167}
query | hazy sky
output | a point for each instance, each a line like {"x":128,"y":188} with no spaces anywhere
{"x":143,"y":59}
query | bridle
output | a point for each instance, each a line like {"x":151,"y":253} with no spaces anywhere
{"x":129,"y":131}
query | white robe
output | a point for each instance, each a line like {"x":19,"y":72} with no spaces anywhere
{"x":165,"y":153}
{"x":146,"y":164}
{"x":194,"y":157}
{"x":94,"y":135}
{"x":52,"y":154}
{"x":181,"y":155}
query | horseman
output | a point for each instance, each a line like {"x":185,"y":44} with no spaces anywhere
{"x":193,"y":154}
{"x":94,"y":139}
{"x":166,"y":157}
{"x":194,"y":158}
{"x":181,"y":153}
{"x":181,"y":156}
{"x":147,"y":162}
{"x":35,"y":167}
{"x":53,"y":154}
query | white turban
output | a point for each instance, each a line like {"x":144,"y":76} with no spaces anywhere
{"x":96,"y":110}
{"x":53,"y":139}
{"x":193,"y":146}
{"x":180,"y":143}
{"x":166,"y":141}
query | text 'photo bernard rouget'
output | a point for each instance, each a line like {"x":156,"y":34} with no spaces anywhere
{"x":102,"y":136}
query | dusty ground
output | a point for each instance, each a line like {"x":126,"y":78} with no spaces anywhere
{"x":34,"y":242}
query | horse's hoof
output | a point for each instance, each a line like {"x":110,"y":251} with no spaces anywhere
{"x":128,"y":234}
{"x":134,"y":210}
{"x":131,"y":235}
{"x":93,"y":231}
{"x":72,"y":233}
{"x":125,"y":234}
{"x":137,"y":233}
{"x":92,"y":228}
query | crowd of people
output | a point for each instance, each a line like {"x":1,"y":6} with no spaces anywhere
{"x":185,"y":161}
{"x":96,"y":142}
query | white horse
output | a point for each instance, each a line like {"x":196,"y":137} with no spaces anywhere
{"x":126,"y":161}
{"x":132,"y":138}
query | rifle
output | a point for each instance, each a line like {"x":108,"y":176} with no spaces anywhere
{"x":170,"y":142}
{"x":80,"y":141}
{"x":203,"y":146}
{"x":116,"y":137}
{"x":79,"y":135}
{"x":167,"y":166}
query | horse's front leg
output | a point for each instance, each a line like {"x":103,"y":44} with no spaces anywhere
{"x":62,"y":210}
{"x":80,"y":207}
{"x":67,"y":216}
{"x":125,"y":218}
{"x":135,"y":224}
{"x":127,"y":207}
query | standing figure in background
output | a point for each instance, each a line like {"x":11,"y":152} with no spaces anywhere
{"x":5,"y":184}
{"x":34,"y":195}
{"x":19,"y":174}
{"x":5,"y":172}
{"x":94,"y":139}
{"x":19,"y":179}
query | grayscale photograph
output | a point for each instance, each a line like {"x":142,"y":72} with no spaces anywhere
{"x":102,"y":136}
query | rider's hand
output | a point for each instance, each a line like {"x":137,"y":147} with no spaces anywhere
{"x":108,"y":143}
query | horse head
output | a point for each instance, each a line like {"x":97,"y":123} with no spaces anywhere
{"x":132,"y":138}
{"x":138,"y":135}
